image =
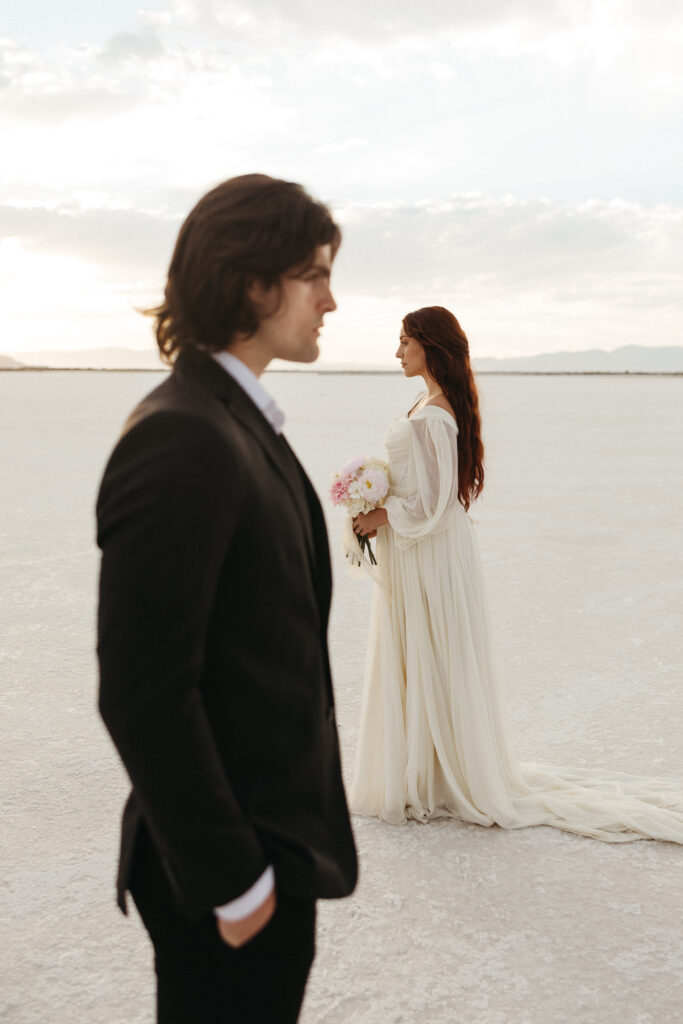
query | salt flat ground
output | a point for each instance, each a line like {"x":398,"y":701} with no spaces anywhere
{"x":580,"y":536}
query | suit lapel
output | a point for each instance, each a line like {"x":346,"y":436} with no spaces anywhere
{"x":323,"y":568}
{"x":283,"y":460}
{"x":317,"y":534}
{"x":206,"y":372}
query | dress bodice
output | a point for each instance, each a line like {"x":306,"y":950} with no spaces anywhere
{"x":402,"y":436}
{"x":397,"y":445}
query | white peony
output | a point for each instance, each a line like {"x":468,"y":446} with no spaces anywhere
{"x":373,"y":485}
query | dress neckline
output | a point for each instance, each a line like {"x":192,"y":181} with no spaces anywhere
{"x":431,"y":408}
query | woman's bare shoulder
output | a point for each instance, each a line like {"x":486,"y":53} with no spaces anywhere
{"x":441,"y":402}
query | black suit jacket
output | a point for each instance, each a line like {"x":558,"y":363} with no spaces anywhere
{"x":215,"y":681}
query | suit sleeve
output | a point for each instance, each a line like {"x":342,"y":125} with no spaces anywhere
{"x":169,"y":505}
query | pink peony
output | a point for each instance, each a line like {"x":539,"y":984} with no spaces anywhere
{"x":339,"y":491}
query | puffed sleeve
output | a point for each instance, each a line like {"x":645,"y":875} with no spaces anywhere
{"x":434,"y":470}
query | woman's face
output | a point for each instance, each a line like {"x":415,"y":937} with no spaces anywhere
{"x":411,"y":354}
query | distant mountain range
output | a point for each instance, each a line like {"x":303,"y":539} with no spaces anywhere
{"x":91,"y":359}
{"x":627,"y":359}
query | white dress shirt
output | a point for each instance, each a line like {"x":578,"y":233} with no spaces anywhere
{"x":257,"y":894}
{"x":250,"y":383}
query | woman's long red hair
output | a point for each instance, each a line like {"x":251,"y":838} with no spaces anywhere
{"x":447,"y":354}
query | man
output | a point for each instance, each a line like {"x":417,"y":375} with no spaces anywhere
{"x":214,"y":599}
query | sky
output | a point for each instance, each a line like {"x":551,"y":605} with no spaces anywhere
{"x":518,"y":161}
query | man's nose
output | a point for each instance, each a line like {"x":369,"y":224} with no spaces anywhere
{"x":330,"y":304}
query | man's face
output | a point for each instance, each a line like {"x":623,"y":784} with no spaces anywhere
{"x":291,"y":332}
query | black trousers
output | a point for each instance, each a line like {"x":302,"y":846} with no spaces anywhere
{"x":200,"y":979}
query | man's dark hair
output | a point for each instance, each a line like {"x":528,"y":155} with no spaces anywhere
{"x":250,"y":227}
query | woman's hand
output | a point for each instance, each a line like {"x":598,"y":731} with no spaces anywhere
{"x":367,"y":525}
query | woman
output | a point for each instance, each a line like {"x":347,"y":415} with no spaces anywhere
{"x":434,"y":739}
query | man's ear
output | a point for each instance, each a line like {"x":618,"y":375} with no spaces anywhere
{"x":255,"y":290}
{"x":265,"y":300}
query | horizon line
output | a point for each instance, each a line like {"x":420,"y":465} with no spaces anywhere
{"x":357,"y":372}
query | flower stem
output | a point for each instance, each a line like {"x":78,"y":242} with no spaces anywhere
{"x":365,"y":545}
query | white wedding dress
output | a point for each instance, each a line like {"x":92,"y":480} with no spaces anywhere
{"x":434,"y":739}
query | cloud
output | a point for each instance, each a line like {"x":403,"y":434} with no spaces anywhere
{"x":136,"y":46}
{"x":524,"y":275}
{"x":67,"y":85}
{"x":413,"y":120}
{"x":504,"y":244}
{"x":391,"y":114}
{"x":600,"y":31}
{"x":68,"y":102}
{"x":122,"y":245}
{"x":380,"y":20}
{"x":130,"y":125}
{"x":508,"y":243}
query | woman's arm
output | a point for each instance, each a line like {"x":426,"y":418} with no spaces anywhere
{"x":433,"y":444}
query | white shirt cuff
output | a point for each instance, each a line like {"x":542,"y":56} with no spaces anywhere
{"x":249,"y":901}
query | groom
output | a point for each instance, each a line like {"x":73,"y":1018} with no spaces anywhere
{"x":214,"y":599}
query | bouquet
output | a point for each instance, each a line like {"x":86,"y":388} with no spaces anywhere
{"x":361,"y":485}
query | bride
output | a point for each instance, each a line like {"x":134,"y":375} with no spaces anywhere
{"x":434,"y":739}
